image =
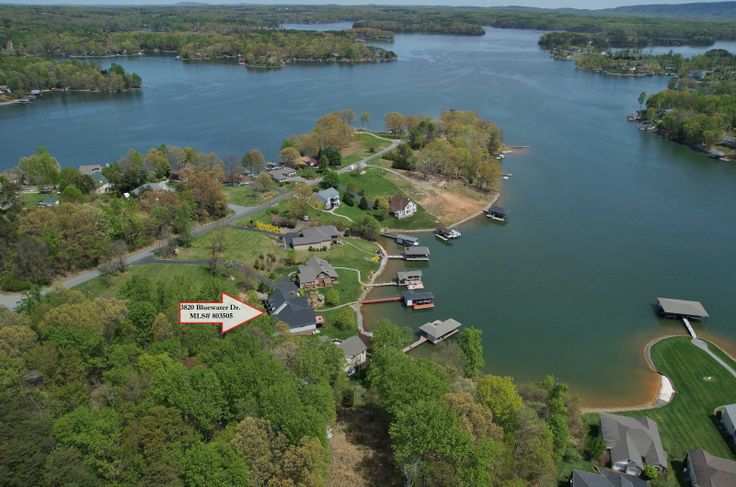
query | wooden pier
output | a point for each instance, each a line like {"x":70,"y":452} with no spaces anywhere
{"x":388,"y":299}
{"x":414,"y":345}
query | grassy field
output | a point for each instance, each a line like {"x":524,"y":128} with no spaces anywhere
{"x":109,"y":286}
{"x":30,"y":200}
{"x":702,"y":385}
{"x":375,"y":184}
{"x":247,"y":196}
{"x":363,"y":146}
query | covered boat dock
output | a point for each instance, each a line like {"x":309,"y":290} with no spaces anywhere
{"x":680,"y":308}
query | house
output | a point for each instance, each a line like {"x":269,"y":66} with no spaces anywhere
{"x":438,"y":330}
{"x":406,"y":240}
{"x":329,"y":198}
{"x":316,"y":273}
{"x":290,"y":308}
{"x":632,"y":443}
{"x":706,"y":470}
{"x":245,"y":180}
{"x":312,"y":238}
{"x":282,"y":174}
{"x":306,"y":161}
{"x":727,"y":416}
{"x":416,"y":253}
{"x":102,"y":185}
{"x":48,"y":202}
{"x":418,"y":299}
{"x":162,"y":186}
{"x":411,"y":279}
{"x":606,"y":478}
{"x":89,"y":169}
{"x":401,"y":207}
{"x":356,"y":353}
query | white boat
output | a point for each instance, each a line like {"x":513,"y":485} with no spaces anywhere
{"x":506,"y":176}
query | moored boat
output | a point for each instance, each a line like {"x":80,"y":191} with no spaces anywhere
{"x":497,"y":213}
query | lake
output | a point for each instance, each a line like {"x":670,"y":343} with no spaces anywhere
{"x":603,"y":218}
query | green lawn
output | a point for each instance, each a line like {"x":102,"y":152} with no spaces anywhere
{"x":109,"y":286}
{"x":247,"y":196}
{"x":240,"y":246}
{"x":375,"y":184}
{"x":702,"y":384}
{"x":30,"y":200}
{"x":363,"y":146}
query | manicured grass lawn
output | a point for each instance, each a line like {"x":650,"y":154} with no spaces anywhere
{"x":30,"y":200}
{"x":363,"y":146}
{"x":247,"y":196}
{"x":240,"y":246}
{"x":702,"y":385}
{"x":375,"y":184}
{"x":108,"y":287}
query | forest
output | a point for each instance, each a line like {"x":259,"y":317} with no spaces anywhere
{"x":699,"y":106}
{"x":89,"y":228}
{"x":21,"y":74}
{"x":215,"y":30}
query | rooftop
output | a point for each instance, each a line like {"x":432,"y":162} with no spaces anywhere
{"x":417,"y":250}
{"x":439,"y":328}
{"x":607,"y":478}
{"x":409,"y":274}
{"x":682,"y":307}
{"x":711,"y":471}
{"x":352,"y":347}
{"x":314,"y":267}
{"x":312,"y":235}
{"x":633,"y":440}
{"x":327,"y":194}
{"x":398,"y":203}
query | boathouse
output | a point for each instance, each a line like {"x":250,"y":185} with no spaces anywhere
{"x":438,"y":330}
{"x":411,"y":279}
{"x":416,"y":253}
{"x":680,"y":308}
{"x":406,"y":240}
{"x":418,"y":299}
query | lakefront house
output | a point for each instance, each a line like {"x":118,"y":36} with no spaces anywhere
{"x":329,"y":198}
{"x":401,"y":207}
{"x":316,"y":272}
{"x":632,"y":443}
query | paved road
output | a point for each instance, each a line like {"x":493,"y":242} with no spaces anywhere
{"x":10,"y":300}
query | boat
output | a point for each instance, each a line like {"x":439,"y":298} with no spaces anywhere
{"x":444,"y":233}
{"x":633,"y":117}
{"x":506,"y":176}
{"x":497,"y":213}
{"x":644,"y":127}
{"x":500,"y":157}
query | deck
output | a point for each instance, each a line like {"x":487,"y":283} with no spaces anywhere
{"x":423,"y":306}
{"x":414,"y":345}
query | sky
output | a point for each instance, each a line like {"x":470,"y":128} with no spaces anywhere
{"x":589,"y":4}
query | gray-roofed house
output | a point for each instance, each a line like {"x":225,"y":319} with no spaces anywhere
{"x":48,"y":202}
{"x":282,"y":174}
{"x":438,"y":330}
{"x":162,"y":186}
{"x":356,"y":353}
{"x":411,"y":279}
{"x":606,"y":478}
{"x":706,"y":470}
{"x":417,"y":252}
{"x":632,"y":443}
{"x":329,"y":198}
{"x":727,"y":415}
{"x":316,"y":272}
{"x":290,"y":308}
{"x":102,"y":185}
{"x":312,"y":238}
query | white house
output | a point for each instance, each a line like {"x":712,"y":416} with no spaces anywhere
{"x":401,"y":207}
{"x":728,"y":419}
{"x":329,"y":198}
{"x":356,"y":353}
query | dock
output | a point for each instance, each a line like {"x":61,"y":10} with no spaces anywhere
{"x":389,"y":299}
{"x":689,"y":327}
{"x":414,"y":345}
{"x":680,"y":308}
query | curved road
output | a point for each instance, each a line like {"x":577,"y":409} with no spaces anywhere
{"x":10,"y":300}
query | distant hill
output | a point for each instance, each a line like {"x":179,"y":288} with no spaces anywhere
{"x":715,"y":10}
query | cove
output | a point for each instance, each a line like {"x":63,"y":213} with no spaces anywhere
{"x":603,"y":218}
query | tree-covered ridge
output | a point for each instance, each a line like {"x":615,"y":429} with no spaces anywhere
{"x":24,"y":73}
{"x":95,"y":24}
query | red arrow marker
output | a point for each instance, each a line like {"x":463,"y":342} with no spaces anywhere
{"x":230,"y":313}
